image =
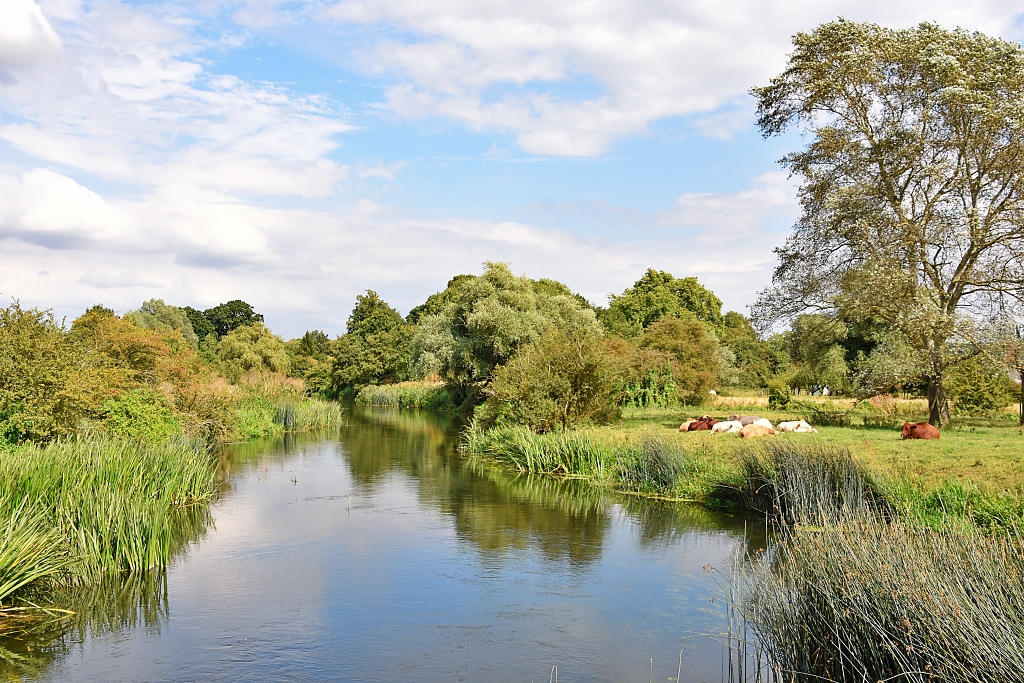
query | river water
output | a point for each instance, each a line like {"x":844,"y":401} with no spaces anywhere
{"x":379,"y":554}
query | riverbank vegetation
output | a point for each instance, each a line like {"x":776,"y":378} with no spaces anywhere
{"x":108,"y":429}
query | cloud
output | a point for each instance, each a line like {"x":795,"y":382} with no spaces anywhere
{"x":26,"y":39}
{"x":571,"y":77}
{"x":102,"y":278}
{"x":382,"y":171}
{"x":742,"y":214}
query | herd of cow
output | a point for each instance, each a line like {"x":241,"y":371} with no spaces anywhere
{"x":751,"y":426}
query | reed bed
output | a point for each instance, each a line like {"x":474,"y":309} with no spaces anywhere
{"x":570,"y":453}
{"x":868,"y":600}
{"x":804,"y":482}
{"x":309,"y":414}
{"x":414,"y":395}
{"x":113,"y":505}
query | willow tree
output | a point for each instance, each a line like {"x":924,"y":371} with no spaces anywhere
{"x":912,"y":190}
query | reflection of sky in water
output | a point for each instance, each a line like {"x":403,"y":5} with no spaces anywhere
{"x":389,"y":558}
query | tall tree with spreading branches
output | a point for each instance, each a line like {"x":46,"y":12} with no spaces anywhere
{"x":912,"y":184}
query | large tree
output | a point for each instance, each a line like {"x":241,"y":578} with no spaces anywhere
{"x":911,"y":185}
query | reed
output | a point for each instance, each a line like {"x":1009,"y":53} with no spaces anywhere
{"x":653,"y":466}
{"x":309,"y":414}
{"x":804,"y":482}
{"x":414,"y":395}
{"x":30,"y":551}
{"x":115,"y":505}
{"x":867,"y":600}
{"x":572,"y":453}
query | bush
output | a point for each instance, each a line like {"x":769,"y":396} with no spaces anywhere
{"x":561,"y":381}
{"x":141,"y":414}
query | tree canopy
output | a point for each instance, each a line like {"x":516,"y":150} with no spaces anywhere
{"x":912,"y":190}
{"x":226,"y":317}
{"x":659,"y":295}
{"x":375,"y":348}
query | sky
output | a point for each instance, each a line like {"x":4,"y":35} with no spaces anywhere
{"x":295,"y":154}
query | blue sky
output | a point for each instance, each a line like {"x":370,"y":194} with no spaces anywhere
{"x":294,"y":154}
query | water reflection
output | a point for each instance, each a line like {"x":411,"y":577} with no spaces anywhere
{"x":380,"y":551}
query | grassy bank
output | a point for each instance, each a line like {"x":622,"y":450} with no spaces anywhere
{"x":974,"y":471}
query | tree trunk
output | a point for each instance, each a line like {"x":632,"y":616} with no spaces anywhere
{"x":938,"y":406}
{"x":1020,"y":374}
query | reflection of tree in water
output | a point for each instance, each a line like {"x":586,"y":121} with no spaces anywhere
{"x":661,"y":524}
{"x":117,"y":602}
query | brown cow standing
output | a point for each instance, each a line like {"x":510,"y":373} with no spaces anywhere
{"x":919,"y":430}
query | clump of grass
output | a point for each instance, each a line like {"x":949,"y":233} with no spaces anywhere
{"x":115,"y":505}
{"x":871,"y":601}
{"x":653,"y":466}
{"x":414,"y":395}
{"x":803,"y":482}
{"x":31,"y":551}
{"x":309,"y":414}
{"x":572,"y":453}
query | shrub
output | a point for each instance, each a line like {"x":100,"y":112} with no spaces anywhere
{"x":140,"y":414}
{"x":560,"y":381}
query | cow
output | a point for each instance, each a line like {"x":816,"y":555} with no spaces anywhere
{"x":798,"y":426}
{"x":686,"y":425}
{"x":703,"y":423}
{"x":744,"y":419}
{"x":919,"y":430}
{"x":755,"y":430}
{"x":763,"y":423}
{"x":726,"y":427}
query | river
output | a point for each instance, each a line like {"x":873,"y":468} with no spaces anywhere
{"x":379,"y":554}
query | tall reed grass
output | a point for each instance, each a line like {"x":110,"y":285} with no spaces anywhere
{"x":414,"y":395}
{"x":114,"y":505}
{"x":309,"y":414}
{"x":570,"y":453}
{"x":804,"y":482}
{"x":868,"y":600}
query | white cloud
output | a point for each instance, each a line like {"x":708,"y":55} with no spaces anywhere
{"x":515,"y":66}
{"x":740,"y":214}
{"x":101,"y":278}
{"x":26,"y":38}
{"x":382,"y":171}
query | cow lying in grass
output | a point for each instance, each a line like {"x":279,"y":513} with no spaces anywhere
{"x":919,"y":430}
{"x":797,"y":426}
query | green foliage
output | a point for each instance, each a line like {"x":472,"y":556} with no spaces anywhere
{"x":562,"y":380}
{"x":374,"y":350}
{"x":46,"y":387}
{"x":155,"y":315}
{"x":778,"y":395}
{"x":117,"y":505}
{"x":659,"y":295}
{"x":691,"y":352}
{"x":252,"y":347}
{"x":141,"y":414}
{"x":488,"y":319}
{"x":231,"y":315}
{"x":31,"y":551}
{"x":980,"y":386}
{"x":199,"y":322}
{"x":655,"y":390}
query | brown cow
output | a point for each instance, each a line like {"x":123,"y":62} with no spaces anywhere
{"x":702,"y":424}
{"x":751,"y":431}
{"x":686,"y":425}
{"x":919,"y":430}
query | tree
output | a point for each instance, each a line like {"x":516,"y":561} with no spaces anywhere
{"x":437,"y":303}
{"x":252,"y":347}
{"x":691,"y":352}
{"x":155,"y":313}
{"x":488,"y":320}
{"x":226,"y":317}
{"x":374,"y":349}
{"x":912,"y":190}
{"x":200,"y":324}
{"x":659,"y":295}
